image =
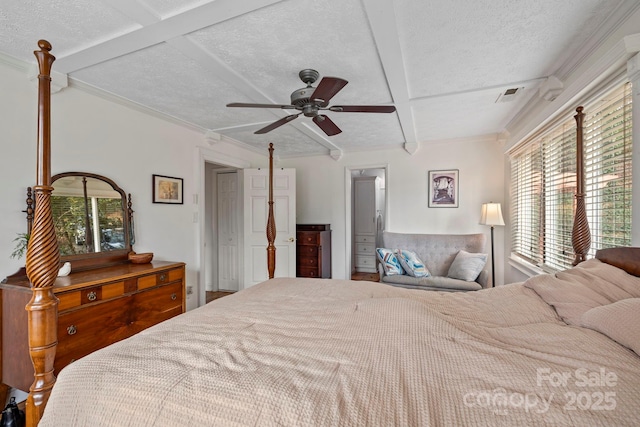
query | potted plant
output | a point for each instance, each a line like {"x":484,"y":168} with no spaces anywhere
{"x":22,"y":241}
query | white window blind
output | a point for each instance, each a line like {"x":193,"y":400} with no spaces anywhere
{"x":543,"y":184}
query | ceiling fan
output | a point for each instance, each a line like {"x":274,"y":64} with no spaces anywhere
{"x":310,"y":101}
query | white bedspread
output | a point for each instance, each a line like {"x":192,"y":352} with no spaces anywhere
{"x":307,"y":352}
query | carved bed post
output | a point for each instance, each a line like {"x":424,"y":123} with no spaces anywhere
{"x":43,"y":257}
{"x":581,"y":235}
{"x":271,"y":224}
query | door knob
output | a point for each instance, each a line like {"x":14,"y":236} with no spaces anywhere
{"x":291,"y":239}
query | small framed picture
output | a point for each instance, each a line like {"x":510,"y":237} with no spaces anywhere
{"x":167,"y":189}
{"x":443,"y":189}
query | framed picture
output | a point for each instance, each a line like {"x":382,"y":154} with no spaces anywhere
{"x":167,"y":189}
{"x":443,"y":189}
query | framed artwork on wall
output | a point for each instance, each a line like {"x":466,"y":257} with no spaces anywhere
{"x":167,"y":189}
{"x":443,"y":188}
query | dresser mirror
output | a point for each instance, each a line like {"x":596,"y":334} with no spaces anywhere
{"x":92,"y":218}
{"x":90,"y":214}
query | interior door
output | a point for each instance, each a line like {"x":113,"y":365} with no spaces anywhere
{"x":228,"y":233}
{"x":256,"y":210}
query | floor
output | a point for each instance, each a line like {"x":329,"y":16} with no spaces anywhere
{"x":372,"y":277}
{"x":211,"y":295}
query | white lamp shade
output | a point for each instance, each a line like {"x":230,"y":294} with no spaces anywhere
{"x":491,"y":214}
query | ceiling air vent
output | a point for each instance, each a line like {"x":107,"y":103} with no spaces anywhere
{"x":509,"y":94}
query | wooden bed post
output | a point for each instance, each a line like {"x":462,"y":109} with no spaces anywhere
{"x":43,"y":257}
{"x":271,"y":224}
{"x":581,"y":235}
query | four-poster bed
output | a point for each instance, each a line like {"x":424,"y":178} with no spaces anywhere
{"x":336,"y":352}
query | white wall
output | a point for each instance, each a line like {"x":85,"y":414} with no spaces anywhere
{"x":92,"y":134}
{"x":321,"y":191}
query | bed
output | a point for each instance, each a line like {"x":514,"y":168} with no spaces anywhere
{"x":557,"y":349}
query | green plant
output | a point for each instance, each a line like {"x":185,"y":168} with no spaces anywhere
{"x":22,"y":241}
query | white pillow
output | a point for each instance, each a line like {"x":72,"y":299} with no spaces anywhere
{"x":389,"y":261}
{"x":467,"y":266}
{"x":619,"y":321}
{"x":412,"y":264}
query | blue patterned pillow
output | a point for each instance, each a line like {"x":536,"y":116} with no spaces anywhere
{"x":467,"y":266}
{"x":412,"y":264}
{"x":389,"y":261}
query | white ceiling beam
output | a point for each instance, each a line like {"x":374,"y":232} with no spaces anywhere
{"x":160,"y":31}
{"x":382,"y":19}
{"x":221,"y":70}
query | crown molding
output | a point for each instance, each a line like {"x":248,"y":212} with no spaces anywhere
{"x":538,"y":112}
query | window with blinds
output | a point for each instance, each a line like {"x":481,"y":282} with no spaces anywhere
{"x":543,"y":184}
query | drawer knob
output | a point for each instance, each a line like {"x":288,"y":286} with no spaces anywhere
{"x":174,"y":296}
{"x":163,"y":277}
{"x":92,"y":296}
{"x":71,"y":330}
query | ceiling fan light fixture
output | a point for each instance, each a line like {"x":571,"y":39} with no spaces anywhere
{"x":309,"y":101}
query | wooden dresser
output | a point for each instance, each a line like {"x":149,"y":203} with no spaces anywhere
{"x":96,"y":308}
{"x":313,"y":250}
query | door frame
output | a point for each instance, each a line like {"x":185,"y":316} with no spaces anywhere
{"x":348,"y":233}
{"x":203,"y":156}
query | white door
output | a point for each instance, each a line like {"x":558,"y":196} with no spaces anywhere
{"x":228,"y":233}
{"x":256,"y":211}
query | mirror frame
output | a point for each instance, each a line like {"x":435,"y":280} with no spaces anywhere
{"x":92,"y":260}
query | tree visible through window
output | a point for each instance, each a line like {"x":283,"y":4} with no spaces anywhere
{"x":543,"y":184}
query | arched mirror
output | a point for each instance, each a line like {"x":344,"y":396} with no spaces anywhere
{"x":90,"y":214}
{"x":93,"y":219}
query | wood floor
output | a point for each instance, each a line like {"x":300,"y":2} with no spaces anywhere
{"x":372,"y":277}
{"x":211,"y":295}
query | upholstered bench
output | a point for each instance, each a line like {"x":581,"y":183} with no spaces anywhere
{"x":438,"y":252}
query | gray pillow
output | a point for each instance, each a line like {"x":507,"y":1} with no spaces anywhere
{"x":467,"y":266}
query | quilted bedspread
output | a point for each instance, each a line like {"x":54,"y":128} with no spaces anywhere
{"x":313,"y":352}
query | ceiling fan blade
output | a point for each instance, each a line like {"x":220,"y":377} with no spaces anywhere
{"x":326,"y":125}
{"x":241,"y":104}
{"x":277,"y":124}
{"x":327,"y":88}
{"x":363,"y":108}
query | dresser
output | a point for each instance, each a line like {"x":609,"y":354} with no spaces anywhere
{"x":366,"y":192}
{"x":96,"y":308}
{"x":313,"y":250}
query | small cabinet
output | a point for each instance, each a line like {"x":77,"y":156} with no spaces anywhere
{"x":313,"y":250}
{"x":366,"y":207}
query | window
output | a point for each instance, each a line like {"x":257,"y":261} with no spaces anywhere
{"x":543,"y":184}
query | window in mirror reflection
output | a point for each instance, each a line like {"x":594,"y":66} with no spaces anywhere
{"x":88,"y":216}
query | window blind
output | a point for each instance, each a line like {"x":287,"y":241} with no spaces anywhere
{"x":543,"y":184}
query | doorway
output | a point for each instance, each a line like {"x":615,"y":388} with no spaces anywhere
{"x":210,"y":164}
{"x":221,"y":235}
{"x":367,"y":216}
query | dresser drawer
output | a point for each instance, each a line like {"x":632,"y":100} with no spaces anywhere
{"x":304,"y":250}
{"x":157,"y":305}
{"x":308,"y":262}
{"x":160,"y":278}
{"x":308,"y":272}
{"x":308,"y":238}
{"x":366,"y":261}
{"x":365,"y":249}
{"x":68,"y":300}
{"x":365,"y":239}
{"x":86,"y":330}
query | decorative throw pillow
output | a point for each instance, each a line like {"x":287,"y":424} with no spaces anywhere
{"x":467,"y":266}
{"x":412,"y":264}
{"x":619,"y":321}
{"x":389,"y":261}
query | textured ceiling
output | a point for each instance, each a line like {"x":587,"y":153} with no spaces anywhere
{"x":442,"y":63}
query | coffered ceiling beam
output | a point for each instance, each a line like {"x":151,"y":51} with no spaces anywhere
{"x":157,"y":32}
